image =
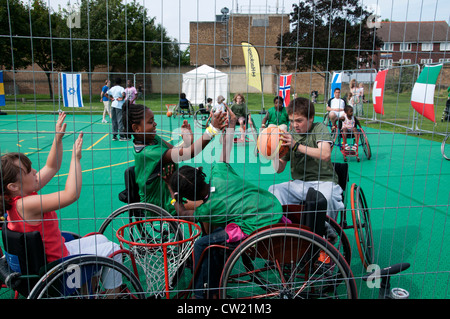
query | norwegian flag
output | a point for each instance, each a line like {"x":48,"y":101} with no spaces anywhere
{"x":284,"y":89}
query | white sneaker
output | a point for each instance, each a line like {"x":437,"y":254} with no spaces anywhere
{"x":104,"y":121}
{"x":346,"y":147}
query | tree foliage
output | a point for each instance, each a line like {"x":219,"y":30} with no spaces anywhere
{"x":328,"y":35}
{"x":112,"y":33}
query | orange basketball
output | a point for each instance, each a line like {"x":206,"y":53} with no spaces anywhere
{"x":269,"y":143}
{"x":169,"y":114}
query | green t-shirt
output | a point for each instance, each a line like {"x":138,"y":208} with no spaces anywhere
{"x":147,"y":160}
{"x":277,"y":117}
{"x":240,"y":110}
{"x":307,"y":168}
{"x":233,"y":200}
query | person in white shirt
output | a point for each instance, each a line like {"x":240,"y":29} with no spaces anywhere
{"x":220,"y":106}
{"x":335,"y":107}
{"x":117,"y":95}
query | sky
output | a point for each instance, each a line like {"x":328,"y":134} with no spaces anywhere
{"x":175,"y":15}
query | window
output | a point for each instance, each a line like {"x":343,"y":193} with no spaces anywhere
{"x":388,"y":46}
{"x":426,"y":61}
{"x":385,"y":63}
{"x":404,"y":61}
{"x":444,"y":60}
{"x":260,"y":21}
{"x":445,"y":46}
{"x":405,"y":46}
{"x":427,"y":46}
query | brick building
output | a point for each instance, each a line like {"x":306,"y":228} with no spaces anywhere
{"x":218,"y":43}
{"x":413,"y":43}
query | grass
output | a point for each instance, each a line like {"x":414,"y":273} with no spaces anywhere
{"x":398,"y":115}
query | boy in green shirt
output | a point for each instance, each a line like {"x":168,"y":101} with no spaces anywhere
{"x":310,"y":158}
{"x":232,"y":206}
{"x":276,"y":115}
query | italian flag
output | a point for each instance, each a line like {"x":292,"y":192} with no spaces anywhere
{"x":422,"y":97}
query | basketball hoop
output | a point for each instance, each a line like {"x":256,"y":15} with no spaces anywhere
{"x":158,"y":249}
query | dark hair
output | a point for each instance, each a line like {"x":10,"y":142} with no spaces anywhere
{"x":132,"y":114}
{"x":9,"y":173}
{"x":188,"y":182}
{"x":347,"y":107}
{"x":280,"y":98}
{"x":301,"y":106}
{"x":117,"y":81}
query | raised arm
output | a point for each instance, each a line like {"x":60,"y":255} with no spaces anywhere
{"x":179,"y":154}
{"x":32,"y":207}
{"x":54,"y":158}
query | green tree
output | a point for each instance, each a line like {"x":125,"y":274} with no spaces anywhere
{"x":14,"y":30}
{"x":328,"y":35}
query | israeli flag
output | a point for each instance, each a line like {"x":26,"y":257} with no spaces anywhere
{"x":71,"y":89}
{"x":336,"y":82}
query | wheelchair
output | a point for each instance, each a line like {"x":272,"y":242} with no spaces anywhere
{"x":23,"y":269}
{"x":201,"y":118}
{"x":286,"y":260}
{"x":183,"y":108}
{"x":337,"y":137}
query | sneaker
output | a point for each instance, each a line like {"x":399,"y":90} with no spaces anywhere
{"x":346,"y":147}
{"x":354,"y":147}
{"x":115,"y":138}
{"x":104,"y":121}
{"x":124,"y":139}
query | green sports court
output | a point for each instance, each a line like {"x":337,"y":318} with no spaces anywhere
{"x":405,"y":183}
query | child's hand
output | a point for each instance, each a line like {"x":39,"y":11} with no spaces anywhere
{"x":287,"y":140}
{"x":60,"y":127}
{"x":186,"y":132}
{"x":167,"y":173}
{"x":218,"y":120}
{"x":77,"y":146}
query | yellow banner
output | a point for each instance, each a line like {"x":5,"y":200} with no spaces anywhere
{"x":252,"y":65}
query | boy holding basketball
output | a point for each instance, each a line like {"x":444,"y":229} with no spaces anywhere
{"x":310,"y":157}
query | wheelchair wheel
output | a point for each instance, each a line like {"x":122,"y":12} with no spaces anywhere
{"x":362,"y":225}
{"x":286,"y":263}
{"x":201,"y":118}
{"x":80,"y":277}
{"x":160,"y":232}
{"x":365,"y":144}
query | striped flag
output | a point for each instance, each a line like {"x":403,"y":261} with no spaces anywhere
{"x":422,"y":97}
{"x":71,"y":89}
{"x":335,"y":82}
{"x":378,"y":92}
{"x":2,"y":90}
{"x":284,"y":90}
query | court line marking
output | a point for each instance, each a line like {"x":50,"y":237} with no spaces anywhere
{"x":97,"y":141}
{"x":103,"y":167}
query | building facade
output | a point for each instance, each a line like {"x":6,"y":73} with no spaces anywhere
{"x":218,"y":43}
{"x":423,"y":42}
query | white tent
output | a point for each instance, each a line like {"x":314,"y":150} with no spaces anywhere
{"x":204,"y":82}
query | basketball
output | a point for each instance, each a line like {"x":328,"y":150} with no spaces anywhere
{"x":269,"y":143}
{"x":169,"y":114}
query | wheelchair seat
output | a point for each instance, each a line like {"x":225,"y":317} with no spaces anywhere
{"x":131,"y":192}
{"x":24,"y":252}
{"x":310,"y":214}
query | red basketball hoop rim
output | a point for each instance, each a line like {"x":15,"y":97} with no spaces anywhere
{"x":192,"y":226}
